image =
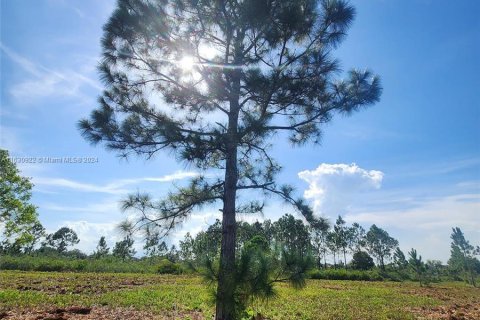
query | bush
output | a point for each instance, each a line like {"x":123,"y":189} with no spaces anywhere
{"x":165,"y":266}
{"x":342,"y":274}
{"x":59,"y":263}
{"x":362,"y":261}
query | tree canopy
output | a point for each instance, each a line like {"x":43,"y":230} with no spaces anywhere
{"x":18,"y":216}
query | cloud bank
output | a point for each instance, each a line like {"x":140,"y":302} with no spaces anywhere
{"x":333,"y":188}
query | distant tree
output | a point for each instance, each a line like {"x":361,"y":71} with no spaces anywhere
{"x":102,"y":248}
{"x":380,"y":244}
{"x":343,"y":236}
{"x":124,"y":249}
{"x":399,"y":260}
{"x":269,"y":70}
{"x":319,"y":240}
{"x":154,"y":246}
{"x":36,"y":233}
{"x":173,"y":254}
{"x":247,"y":231}
{"x":333,"y":246}
{"x":463,"y":256}
{"x":417,"y":266}
{"x":187,"y":248}
{"x":434,"y":270}
{"x":18,"y":217}
{"x":75,"y":254}
{"x":292,"y":235}
{"x":62,"y":239}
{"x":356,"y":238}
{"x":207,"y":243}
{"x":362,"y":261}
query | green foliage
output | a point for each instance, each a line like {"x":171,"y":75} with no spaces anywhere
{"x":124,"y":249}
{"x":339,"y":274}
{"x":258,"y":269}
{"x":418,"y":267}
{"x":102,"y":248}
{"x":73,"y":264}
{"x":186,"y":248}
{"x":153,"y":246}
{"x":362,"y":261}
{"x":292,"y":235}
{"x":319,"y":239}
{"x":356,"y":237}
{"x":18,"y":217}
{"x":462,"y":260}
{"x":380,"y":244}
{"x":165,"y":266}
{"x":62,"y":239}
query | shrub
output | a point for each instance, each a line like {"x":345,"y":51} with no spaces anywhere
{"x":165,"y":266}
{"x":362,"y":261}
{"x":341,"y":274}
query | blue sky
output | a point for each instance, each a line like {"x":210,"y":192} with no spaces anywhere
{"x":417,"y":152}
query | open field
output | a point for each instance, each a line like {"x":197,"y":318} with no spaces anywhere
{"x":38,"y":295}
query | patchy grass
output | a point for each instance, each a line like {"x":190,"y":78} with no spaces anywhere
{"x":39,"y":295}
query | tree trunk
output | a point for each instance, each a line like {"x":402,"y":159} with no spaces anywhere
{"x":225,"y":299}
{"x":345,"y":258}
{"x":225,"y":309}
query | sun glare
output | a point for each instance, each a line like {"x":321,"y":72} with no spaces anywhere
{"x":207,"y":52}
{"x":186,"y":63}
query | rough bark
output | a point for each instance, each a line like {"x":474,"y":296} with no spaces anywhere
{"x":225,"y":307}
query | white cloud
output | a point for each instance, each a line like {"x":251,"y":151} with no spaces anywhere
{"x":45,"y":82}
{"x":115,"y":187}
{"x":107,"y":207}
{"x":89,"y":233}
{"x":333,"y":188}
{"x":449,"y":211}
{"x":427,"y":225}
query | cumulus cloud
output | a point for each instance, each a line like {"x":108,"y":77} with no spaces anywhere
{"x":333,"y":188}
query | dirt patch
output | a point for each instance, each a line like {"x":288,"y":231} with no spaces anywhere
{"x":75,"y":286}
{"x":453,"y":312}
{"x":95,"y":313}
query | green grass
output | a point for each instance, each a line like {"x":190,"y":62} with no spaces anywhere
{"x":321,"y":299}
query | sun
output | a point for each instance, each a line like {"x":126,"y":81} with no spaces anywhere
{"x":186,"y":63}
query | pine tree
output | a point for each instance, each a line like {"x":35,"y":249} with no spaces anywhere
{"x":417,"y":265}
{"x":463,"y":256}
{"x":380,"y":244}
{"x":399,"y":260}
{"x":102,"y":248}
{"x":124,"y":249}
{"x":212,"y":82}
{"x":342,"y":236}
{"x":62,"y":239}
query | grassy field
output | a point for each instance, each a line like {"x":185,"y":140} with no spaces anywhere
{"x":58,"y":296}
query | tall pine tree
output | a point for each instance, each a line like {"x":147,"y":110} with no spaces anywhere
{"x":212,"y":82}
